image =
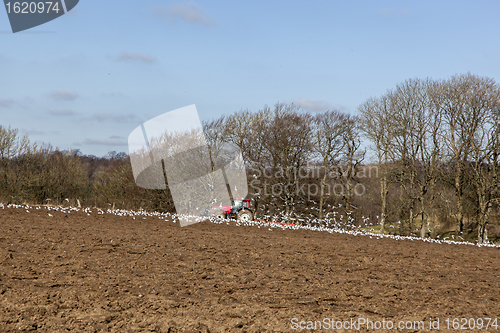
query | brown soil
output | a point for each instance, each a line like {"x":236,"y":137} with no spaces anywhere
{"x":80,"y":273}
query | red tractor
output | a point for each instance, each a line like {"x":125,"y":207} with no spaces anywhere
{"x":240,"y":210}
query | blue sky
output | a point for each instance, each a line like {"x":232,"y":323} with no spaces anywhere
{"x":87,"y":79}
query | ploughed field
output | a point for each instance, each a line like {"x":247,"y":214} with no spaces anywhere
{"x":84,"y":271}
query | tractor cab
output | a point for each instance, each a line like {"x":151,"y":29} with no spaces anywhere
{"x":239,"y":203}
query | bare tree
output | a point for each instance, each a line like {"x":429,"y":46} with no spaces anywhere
{"x":352,"y":157}
{"x":11,"y":144}
{"x":288,"y":143}
{"x":374,"y":120}
{"x":414,"y":125}
{"x":463,"y":110}
{"x":215,"y":132}
{"x":328,"y":144}
{"x":483,"y":101}
{"x":247,"y":131}
{"x":403,"y":127}
{"x":275,"y":143}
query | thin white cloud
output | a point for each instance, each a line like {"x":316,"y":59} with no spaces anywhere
{"x":63,"y":95}
{"x":6,"y":103}
{"x":114,"y":95}
{"x":127,"y":56}
{"x":24,"y":102}
{"x":119,"y":118}
{"x":393,"y":12}
{"x":186,"y":12}
{"x":64,"y":113}
{"x":28,"y":99}
{"x":316,"y":106}
{"x":32,"y":131}
{"x":105,"y":142}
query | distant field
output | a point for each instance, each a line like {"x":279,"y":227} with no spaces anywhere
{"x":90,"y":272}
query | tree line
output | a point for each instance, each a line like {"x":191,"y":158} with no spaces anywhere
{"x":43,"y":175}
{"x":436,"y":136}
{"x":434,"y":166}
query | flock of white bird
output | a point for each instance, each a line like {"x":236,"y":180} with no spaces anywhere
{"x":329,"y":225}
